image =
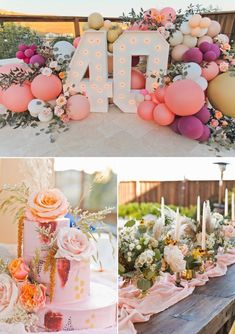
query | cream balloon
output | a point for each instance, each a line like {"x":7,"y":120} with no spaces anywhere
{"x":195,"y":20}
{"x":202,"y":82}
{"x":205,"y":39}
{"x":185,"y":28}
{"x":205,"y":22}
{"x":214,"y":29}
{"x":176,"y":38}
{"x":63,"y":49}
{"x":202,"y":32}
{"x":35,"y":107}
{"x":193,"y":70}
{"x":190,"y":41}
{"x":178,"y":52}
{"x":177,"y":77}
{"x":45,"y":117}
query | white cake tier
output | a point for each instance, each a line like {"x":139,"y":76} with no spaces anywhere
{"x":97,"y":311}
{"x":72,"y":280}
{"x":33,"y":240}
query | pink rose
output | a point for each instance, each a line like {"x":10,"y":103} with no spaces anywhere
{"x":73,"y":244}
{"x":46,"y":205}
{"x":65,"y":118}
{"x":8,"y":296}
{"x":223,"y":66}
{"x":229,"y":231}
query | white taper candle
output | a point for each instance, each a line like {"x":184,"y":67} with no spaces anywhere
{"x":204,"y":212}
{"x":198,"y":209}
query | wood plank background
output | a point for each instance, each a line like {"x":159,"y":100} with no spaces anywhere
{"x":209,"y":310}
{"x":182,"y":193}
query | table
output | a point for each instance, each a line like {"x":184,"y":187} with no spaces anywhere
{"x":209,"y":310}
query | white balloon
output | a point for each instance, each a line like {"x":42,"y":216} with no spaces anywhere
{"x":35,"y":107}
{"x":202,"y":32}
{"x":3,"y":109}
{"x":193,"y":70}
{"x":185,"y":28}
{"x":176,"y":38}
{"x":177,"y":77}
{"x":202,"y":82}
{"x":45,"y":117}
{"x":190,"y":41}
{"x":63,"y":49}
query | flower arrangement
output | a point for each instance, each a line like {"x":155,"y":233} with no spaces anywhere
{"x":149,"y":248}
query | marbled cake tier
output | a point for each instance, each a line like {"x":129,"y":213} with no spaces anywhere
{"x":97,"y":311}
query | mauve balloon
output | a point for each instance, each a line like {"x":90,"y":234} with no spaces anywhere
{"x":203,"y":114}
{"x":174,"y":125}
{"x":205,"y":46}
{"x":206,"y":134}
{"x":191,"y":127}
{"x":216,"y":49}
{"x":209,"y":56}
{"x":194,"y":55}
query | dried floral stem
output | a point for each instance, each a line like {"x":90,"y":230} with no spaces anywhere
{"x":20,"y":236}
{"x":52,"y":278}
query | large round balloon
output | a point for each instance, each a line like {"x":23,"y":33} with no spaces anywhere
{"x":210,"y":70}
{"x":191,"y":127}
{"x":78,"y":107}
{"x":46,"y":88}
{"x":162,"y":115}
{"x":145,"y":110}
{"x":137,"y":79}
{"x":63,"y":49}
{"x":17,"y":97}
{"x":213,"y":29}
{"x":184,"y":97}
{"x":168,"y":15}
{"x":221,"y":93}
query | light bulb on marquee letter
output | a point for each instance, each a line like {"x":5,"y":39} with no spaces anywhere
{"x":137,"y":43}
{"x":91,"y":53}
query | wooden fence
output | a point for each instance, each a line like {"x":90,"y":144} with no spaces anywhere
{"x":225,"y":18}
{"x":182,"y":193}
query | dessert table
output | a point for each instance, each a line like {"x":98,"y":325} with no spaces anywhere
{"x":209,"y":310}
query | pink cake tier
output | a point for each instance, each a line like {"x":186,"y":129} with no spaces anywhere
{"x":96,"y":311}
{"x":33,"y":240}
{"x":72,"y":279}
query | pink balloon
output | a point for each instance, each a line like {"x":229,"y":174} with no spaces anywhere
{"x":46,"y":88}
{"x":78,"y":107}
{"x":137,"y":79}
{"x":168,"y":14}
{"x":20,"y":55}
{"x":76,"y":41}
{"x":17,"y":97}
{"x":204,"y":39}
{"x":37,"y":59}
{"x":145,"y":110}
{"x":205,"y":135}
{"x":154,"y":98}
{"x":160,"y":93}
{"x":210,"y":71}
{"x":213,"y":29}
{"x":29,"y":53}
{"x":191,"y":127}
{"x":162,"y":115}
{"x":184,"y":97}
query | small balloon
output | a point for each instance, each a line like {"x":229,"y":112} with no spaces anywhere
{"x":202,"y":82}
{"x":145,"y":110}
{"x":191,"y":127}
{"x":162,"y":115}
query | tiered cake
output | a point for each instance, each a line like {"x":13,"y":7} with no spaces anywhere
{"x":76,"y":303}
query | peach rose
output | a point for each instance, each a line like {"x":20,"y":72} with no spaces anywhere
{"x":8,"y":296}
{"x":73,"y":244}
{"x":18,"y":269}
{"x":46,"y":205}
{"x":229,"y":231}
{"x":32,"y":296}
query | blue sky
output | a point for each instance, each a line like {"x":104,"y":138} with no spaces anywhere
{"x":106,"y":7}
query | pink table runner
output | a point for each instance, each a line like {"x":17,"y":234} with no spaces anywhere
{"x":164,"y":293}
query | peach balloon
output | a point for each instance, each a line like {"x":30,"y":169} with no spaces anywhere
{"x":78,"y":107}
{"x":205,"y":22}
{"x":205,"y":39}
{"x":46,"y":88}
{"x":184,"y":97}
{"x":178,"y":52}
{"x":17,"y":97}
{"x":194,"y":21}
{"x":160,"y":94}
{"x":145,"y":110}
{"x":195,"y":31}
{"x":162,"y":115}
{"x":210,"y":71}
{"x":137,"y":79}
{"x":154,"y":98}
{"x":213,"y":29}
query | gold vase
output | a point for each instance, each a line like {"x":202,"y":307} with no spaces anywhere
{"x":188,"y":274}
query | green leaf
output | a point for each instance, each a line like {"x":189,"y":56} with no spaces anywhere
{"x":144,"y":284}
{"x":130,"y":223}
{"x":157,"y":254}
{"x":121,"y":269}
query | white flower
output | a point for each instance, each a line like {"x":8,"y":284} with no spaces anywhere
{"x":8,"y":296}
{"x":53,"y":64}
{"x":58,"y":111}
{"x":47,"y":111}
{"x":61,"y":101}
{"x":174,"y":257}
{"x":46,"y":71}
{"x":132,"y":246}
{"x":138,"y":247}
{"x":73,"y":244}
{"x":145,"y":258}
